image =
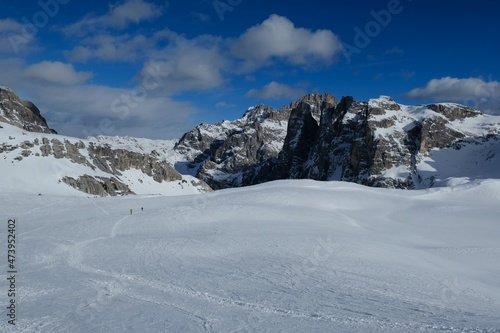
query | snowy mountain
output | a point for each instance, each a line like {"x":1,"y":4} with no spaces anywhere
{"x":376,"y":143}
{"x":35,"y":160}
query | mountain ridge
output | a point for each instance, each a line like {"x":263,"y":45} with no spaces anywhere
{"x":378,"y":142}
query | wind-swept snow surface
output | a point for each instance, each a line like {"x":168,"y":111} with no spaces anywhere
{"x":288,"y":256}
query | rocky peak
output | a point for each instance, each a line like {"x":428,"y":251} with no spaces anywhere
{"x":314,"y":99}
{"x":378,"y":105}
{"x":318,"y":103}
{"x":259,"y":113}
{"x":20,"y":113}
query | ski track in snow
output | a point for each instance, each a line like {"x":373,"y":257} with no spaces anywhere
{"x":230,"y":269}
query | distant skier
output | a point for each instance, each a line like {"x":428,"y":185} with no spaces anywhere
{"x":142,"y":209}
{"x":130,"y":211}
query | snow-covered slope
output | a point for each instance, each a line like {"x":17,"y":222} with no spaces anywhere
{"x":44,"y":163}
{"x":288,"y":256}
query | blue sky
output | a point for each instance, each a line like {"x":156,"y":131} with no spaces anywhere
{"x":155,"y":69}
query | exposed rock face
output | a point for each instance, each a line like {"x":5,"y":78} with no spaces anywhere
{"x":100,"y":186}
{"x":434,"y":133}
{"x":301,"y":135}
{"x":23,"y":114}
{"x":115,"y":160}
{"x":454,"y":111}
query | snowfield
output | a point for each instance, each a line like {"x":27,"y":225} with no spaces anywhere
{"x":286,"y":256}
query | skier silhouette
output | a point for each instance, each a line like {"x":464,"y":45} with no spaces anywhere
{"x":142,"y":209}
{"x":130,"y":211}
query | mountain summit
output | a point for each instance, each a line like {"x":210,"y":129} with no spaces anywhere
{"x":20,"y":113}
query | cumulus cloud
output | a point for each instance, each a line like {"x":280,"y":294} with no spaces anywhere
{"x":275,"y":90}
{"x":106,"y":47}
{"x":119,"y":16}
{"x":56,"y":72}
{"x":482,"y":94}
{"x":186,"y":65}
{"x":277,"y":37}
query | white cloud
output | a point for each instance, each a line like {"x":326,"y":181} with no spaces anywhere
{"x":226,"y":105}
{"x":185,"y":65}
{"x":131,"y":11}
{"x":9,"y":25}
{"x":277,"y":37}
{"x":56,"y":72}
{"x":275,"y":90}
{"x":105,"y":47}
{"x":119,"y":16}
{"x":483,"y":95}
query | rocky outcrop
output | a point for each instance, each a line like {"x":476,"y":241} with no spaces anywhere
{"x":434,"y":133}
{"x":454,"y":111}
{"x":100,"y":186}
{"x":301,"y":135}
{"x":23,"y":114}
{"x":113,"y":161}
